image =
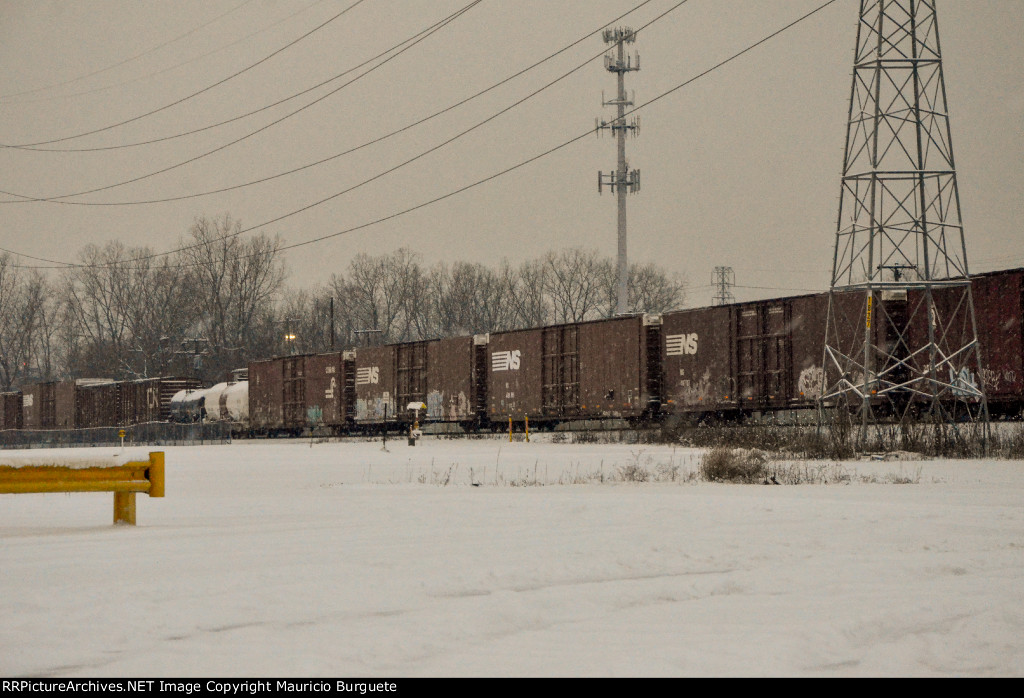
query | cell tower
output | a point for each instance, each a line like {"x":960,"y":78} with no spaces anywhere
{"x":622,"y":180}
{"x":723,"y":279}
{"x":901,"y":341}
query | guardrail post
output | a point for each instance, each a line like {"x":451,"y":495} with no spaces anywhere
{"x":124,"y":508}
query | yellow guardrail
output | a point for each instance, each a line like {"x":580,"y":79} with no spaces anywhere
{"x":123,"y":480}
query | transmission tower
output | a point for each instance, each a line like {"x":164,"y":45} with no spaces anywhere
{"x":901,"y":342}
{"x":622,"y":180}
{"x":723,"y":279}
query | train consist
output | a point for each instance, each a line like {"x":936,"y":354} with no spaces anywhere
{"x":760,"y":359}
{"x":92,"y":402}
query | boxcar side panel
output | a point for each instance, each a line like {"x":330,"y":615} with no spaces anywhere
{"x":697,"y":356}
{"x":375,"y":385}
{"x":11,"y":411}
{"x":66,"y":405}
{"x":514,"y":370}
{"x":612,"y":368}
{"x":325,"y":388}
{"x":450,"y":380}
{"x":807,"y":332}
{"x":998,"y":300}
{"x":266,"y":407}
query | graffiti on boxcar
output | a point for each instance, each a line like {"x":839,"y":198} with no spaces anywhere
{"x":999,"y":379}
{"x":374,"y":408}
{"x":329,"y":393}
{"x":809,"y":383}
{"x":964,"y":383}
{"x":696,"y":392}
{"x":453,"y":408}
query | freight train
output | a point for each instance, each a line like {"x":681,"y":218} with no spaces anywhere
{"x":752,"y":360}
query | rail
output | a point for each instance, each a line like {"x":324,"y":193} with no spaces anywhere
{"x":36,"y":475}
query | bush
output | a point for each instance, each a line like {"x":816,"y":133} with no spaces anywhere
{"x":734,"y":465}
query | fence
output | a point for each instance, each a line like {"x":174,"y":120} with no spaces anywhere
{"x":148,"y":434}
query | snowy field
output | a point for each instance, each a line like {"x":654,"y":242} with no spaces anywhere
{"x":340,"y":559}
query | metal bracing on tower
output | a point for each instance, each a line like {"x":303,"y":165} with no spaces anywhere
{"x":622,"y":180}
{"x":901,"y":341}
{"x":723,"y":279}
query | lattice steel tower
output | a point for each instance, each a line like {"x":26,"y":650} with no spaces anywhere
{"x":622,"y":180}
{"x":901,"y":341}
{"x":723,"y":279}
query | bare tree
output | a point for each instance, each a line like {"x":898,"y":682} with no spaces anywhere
{"x":235,"y":282}
{"x":23,"y":301}
{"x":463,"y":299}
{"x":574,"y":283}
{"x":98,"y":295}
{"x":381,"y":293}
{"x":651,"y":290}
{"x":523,"y":290}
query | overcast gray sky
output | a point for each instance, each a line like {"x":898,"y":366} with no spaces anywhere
{"x":740,"y":168}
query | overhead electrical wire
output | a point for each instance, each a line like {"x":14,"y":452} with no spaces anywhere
{"x":412,"y":41}
{"x":565,"y":144}
{"x":460,"y":190}
{"x":396,"y":167}
{"x":197,"y":92}
{"x":147,"y":76}
{"x":375,"y":140}
{"x":182,"y":134}
{"x":126,"y":60}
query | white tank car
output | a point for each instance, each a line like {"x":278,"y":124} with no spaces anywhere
{"x":234,"y":402}
{"x":214,"y":411}
{"x":188,"y":405}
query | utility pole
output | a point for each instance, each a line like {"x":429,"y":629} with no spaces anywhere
{"x":723,"y":279}
{"x":901,"y":342}
{"x":196,"y":347}
{"x":622,"y":180}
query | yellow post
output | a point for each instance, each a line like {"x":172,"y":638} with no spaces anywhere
{"x":124,"y":508}
{"x":155,"y":474}
{"x":527,"y":418}
{"x":510,"y":428}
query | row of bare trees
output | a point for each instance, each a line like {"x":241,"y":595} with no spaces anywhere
{"x":394,"y":298}
{"x":221,"y":300}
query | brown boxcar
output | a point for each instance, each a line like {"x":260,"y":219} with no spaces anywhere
{"x":375,"y":380}
{"x":11,"y":416}
{"x":292,"y":393}
{"x":588,"y":370}
{"x":149,"y":399}
{"x":66,"y":407}
{"x":456,"y":380}
{"x":698,"y":360}
{"x":99,"y":405}
{"x":999,"y":309}
{"x":446,"y":375}
{"x":755,"y":358}
{"x":265,"y":404}
{"x":38,"y":406}
{"x":329,"y":390}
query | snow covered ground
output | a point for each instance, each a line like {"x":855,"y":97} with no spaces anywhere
{"x":340,"y":559}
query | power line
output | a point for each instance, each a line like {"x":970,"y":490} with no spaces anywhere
{"x":417,"y":38}
{"x":147,"y":76}
{"x":472,"y":185}
{"x":367,"y":143}
{"x":126,"y":60}
{"x":386,"y":172}
{"x":198,"y":92}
